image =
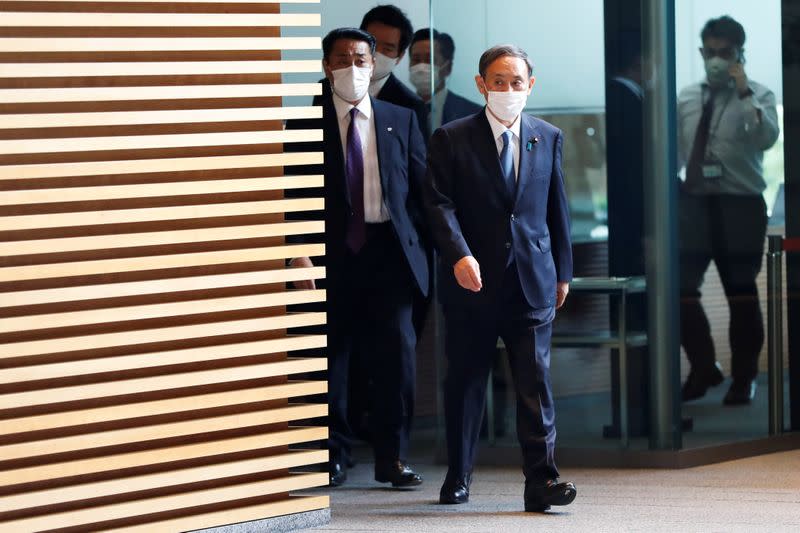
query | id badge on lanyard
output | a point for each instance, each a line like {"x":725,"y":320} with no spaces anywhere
{"x":712,"y":167}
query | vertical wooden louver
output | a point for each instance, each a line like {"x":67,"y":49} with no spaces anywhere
{"x":146,"y":364}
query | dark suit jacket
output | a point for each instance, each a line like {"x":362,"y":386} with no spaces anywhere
{"x":470,"y":212}
{"x":456,"y":107}
{"x":393,"y":91}
{"x":401,"y":157}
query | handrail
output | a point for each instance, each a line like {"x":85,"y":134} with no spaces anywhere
{"x":776,"y":245}
{"x":621,"y":339}
{"x":629,"y":284}
{"x":620,"y":288}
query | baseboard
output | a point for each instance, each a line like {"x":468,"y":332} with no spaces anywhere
{"x":668,"y":459}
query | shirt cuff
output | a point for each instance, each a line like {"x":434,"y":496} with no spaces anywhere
{"x":755,"y":110}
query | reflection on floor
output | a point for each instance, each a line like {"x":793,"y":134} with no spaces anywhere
{"x":580,"y":420}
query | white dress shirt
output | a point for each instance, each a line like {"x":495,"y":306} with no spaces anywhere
{"x":497,"y":130}
{"x":374,"y":209}
{"x":437,"y":111}
{"x":741,"y":130}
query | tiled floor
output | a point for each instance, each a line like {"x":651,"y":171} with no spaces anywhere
{"x":748,"y":495}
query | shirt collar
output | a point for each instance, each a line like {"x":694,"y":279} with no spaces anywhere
{"x":343,"y":108}
{"x":498,"y":128}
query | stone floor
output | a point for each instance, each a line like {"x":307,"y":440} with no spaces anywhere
{"x":748,"y":495}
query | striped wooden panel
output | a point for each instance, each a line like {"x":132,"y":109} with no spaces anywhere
{"x":136,"y":167}
{"x":147,"y":375}
{"x":125,"y":44}
{"x":123,"y":118}
{"x":152,"y":20}
{"x":153,"y":459}
{"x":50,"y":70}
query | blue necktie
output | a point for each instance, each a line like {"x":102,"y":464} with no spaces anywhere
{"x":507,"y":164}
{"x":509,"y":176}
{"x":354,"y":173}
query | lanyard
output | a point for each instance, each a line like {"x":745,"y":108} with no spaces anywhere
{"x":715,"y":127}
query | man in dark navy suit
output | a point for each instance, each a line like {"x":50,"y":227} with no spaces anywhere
{"x":498,"y":214}
{"x":443,"y":105}
{"x":374,"y":168}
{"x":392,"y":31}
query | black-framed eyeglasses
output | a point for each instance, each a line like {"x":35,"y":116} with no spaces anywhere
{"x":727,"y":52}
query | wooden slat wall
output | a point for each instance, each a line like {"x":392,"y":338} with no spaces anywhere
{"x":146,"y":364}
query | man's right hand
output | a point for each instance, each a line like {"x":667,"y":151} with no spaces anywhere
{"x":303,"y":262}
{"x":468,"y":273}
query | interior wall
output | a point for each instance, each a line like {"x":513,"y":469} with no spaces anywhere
{"x":144,"y":340}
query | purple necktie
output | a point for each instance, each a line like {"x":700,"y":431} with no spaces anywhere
{"x":354,"y":173}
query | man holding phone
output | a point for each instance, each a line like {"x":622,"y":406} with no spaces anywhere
{"x":725,"y":124}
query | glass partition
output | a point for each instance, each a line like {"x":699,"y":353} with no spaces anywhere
{"x":730,"y":200}
{"x":570,"y":93}
{"x":593,"y":89}
{"x":577,"y":87}
{"x":569,"y":90}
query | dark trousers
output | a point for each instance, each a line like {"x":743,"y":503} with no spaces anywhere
{"x":471,"y":339}
{"x":370,"y":301}
{"x":730,"y":230}
{"x":359,"y":409}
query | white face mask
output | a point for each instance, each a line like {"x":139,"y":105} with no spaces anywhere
{"x":717,"y":71}
{"x":420,"y":77}
{"x":351,"y":83}
{"x":507,"y":105}
{"x":384,"y":65}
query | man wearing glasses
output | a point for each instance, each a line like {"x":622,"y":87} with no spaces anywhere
{"x":725,"y":124}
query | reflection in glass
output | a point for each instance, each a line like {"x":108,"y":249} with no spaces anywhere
{"x":571,"y":92}
{"x":728,"y":131}
{"x":443,"y":105}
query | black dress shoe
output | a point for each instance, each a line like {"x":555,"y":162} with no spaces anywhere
{"x":539,"y":498}
{"x":741,"y":392}
{"x":698,"y":382}
{"x":398,"y":473}
{"x":455,"y":489}
{"x":338,"y":472}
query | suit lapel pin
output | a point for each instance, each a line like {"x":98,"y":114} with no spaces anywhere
{"x":389,"y":128}
{"x":531,"y":142}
